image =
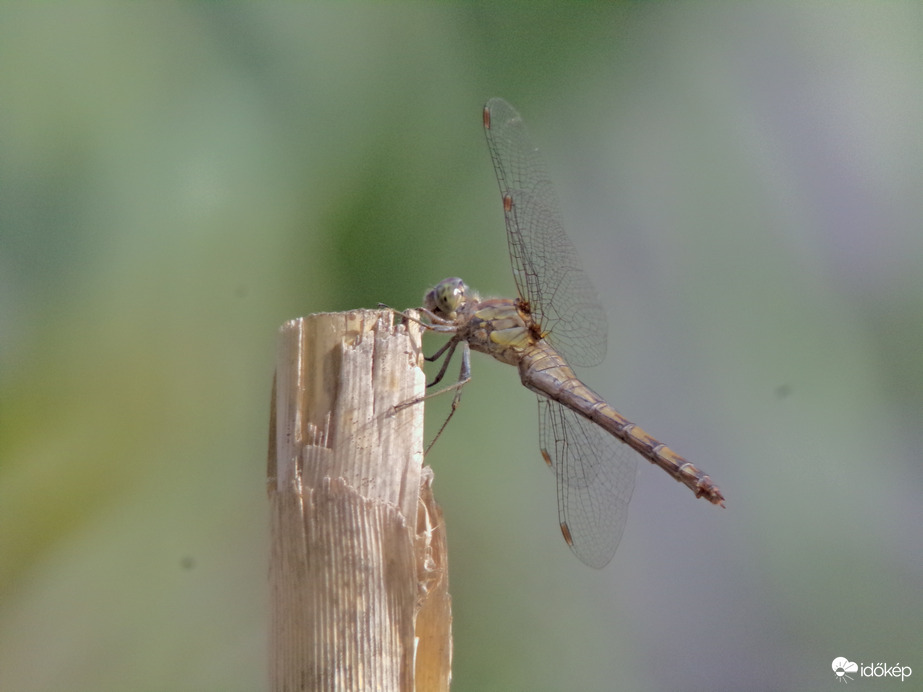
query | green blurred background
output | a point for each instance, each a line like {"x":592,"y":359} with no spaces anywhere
{"x":744,"y":184}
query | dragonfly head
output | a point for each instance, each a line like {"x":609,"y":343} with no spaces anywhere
{"x":446,"y":297}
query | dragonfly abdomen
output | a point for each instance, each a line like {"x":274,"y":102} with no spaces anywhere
{"x":544,"y":371}
{"x":658,"y":453}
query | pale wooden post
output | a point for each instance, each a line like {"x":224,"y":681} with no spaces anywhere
{"x":358,"y":572}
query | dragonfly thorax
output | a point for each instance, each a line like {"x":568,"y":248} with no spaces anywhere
{"x":446,"y":297}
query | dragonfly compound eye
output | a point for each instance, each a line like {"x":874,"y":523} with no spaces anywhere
{"x":447,"y":296}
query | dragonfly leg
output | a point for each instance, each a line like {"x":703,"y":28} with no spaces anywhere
{"x":449,"y":346}
{"x":446,"y":351}
{"x":436,"y":323}
{"x":464,"y":377}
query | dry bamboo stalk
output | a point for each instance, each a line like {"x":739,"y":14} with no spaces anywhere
{"x":358,"y":574}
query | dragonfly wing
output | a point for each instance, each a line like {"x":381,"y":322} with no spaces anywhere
{"x":546,"y":268}
{"x":595,"y":476}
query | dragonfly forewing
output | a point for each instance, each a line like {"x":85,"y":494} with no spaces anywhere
{"x":546,"y":267}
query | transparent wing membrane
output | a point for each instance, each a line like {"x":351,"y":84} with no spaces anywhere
{"x":546,"y":267}
{"x":595,"y":476}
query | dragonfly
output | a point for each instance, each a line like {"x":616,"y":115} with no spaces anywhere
{"x":555,"y":322}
